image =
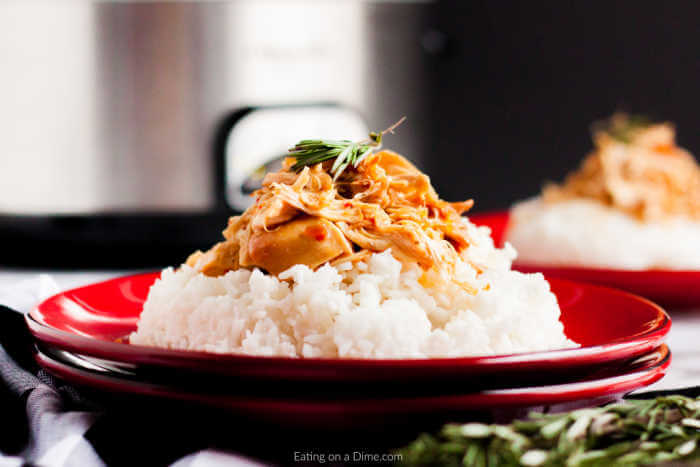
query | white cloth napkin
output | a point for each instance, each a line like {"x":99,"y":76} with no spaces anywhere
{"x":57,"y":434}
{"x":27,"y":293}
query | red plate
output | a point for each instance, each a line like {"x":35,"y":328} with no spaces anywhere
{"x":349,"y":412}
{"x":674,"y":289}
{"x":611,"y":325}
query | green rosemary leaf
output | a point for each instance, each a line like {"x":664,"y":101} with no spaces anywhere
{"x":344,"y":154}
{"x":526,"y":426}
{"x":310,"y":152}
{"x":471,"y":454}
{"x":553,"y":429}
{"x":362,"y":157}
{"x":534,"y":457}
{"x":622,"y":126}
{"x":473,"y":430}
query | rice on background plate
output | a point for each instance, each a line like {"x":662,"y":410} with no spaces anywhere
{"x":376,"y":308}
{"x":633,"y":204}
{"x":581,"y":232}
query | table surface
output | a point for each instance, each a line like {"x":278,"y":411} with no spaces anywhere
{"x":684,"y":338}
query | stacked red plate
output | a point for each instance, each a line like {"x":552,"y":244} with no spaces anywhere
{"x":82,"y":337}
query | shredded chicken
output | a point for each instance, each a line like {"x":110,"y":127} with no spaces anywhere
{"x":642,"y":173}
{"x":308,"y":218}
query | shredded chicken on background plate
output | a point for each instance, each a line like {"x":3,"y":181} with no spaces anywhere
{"x":309,"y":218}
{"x":636,"y":167}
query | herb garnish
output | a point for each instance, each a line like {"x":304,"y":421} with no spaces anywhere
{"x":634,"y":432}
{"x":622,"y":126}
{"x":345,"y":152}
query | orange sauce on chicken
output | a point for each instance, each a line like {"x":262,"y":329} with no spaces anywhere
{"x":309,"y":218}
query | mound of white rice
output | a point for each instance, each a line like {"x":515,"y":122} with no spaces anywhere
{"x":372,"y":310}
{"x":587,"y":233}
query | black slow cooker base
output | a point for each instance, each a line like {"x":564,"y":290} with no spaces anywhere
{"x":106,"y":241}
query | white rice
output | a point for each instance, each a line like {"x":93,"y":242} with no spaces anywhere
{"x":372,"y":310}
{"x":587,"y":233}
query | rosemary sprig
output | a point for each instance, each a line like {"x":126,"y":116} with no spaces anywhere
{"x":622,"y":126}
{"x":635,"y":432}
{"x":345,"y":152}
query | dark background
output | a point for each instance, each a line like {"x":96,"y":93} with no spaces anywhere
{"x":505,"y":91}
{"x":519,"y":83}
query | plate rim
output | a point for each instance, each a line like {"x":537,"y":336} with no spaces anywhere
{"x":614,"y":350}
{"x":616,"y":384}
{"x":643,"y":362}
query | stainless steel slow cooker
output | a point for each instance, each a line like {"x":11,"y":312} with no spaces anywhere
{"x":135,"y":127}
